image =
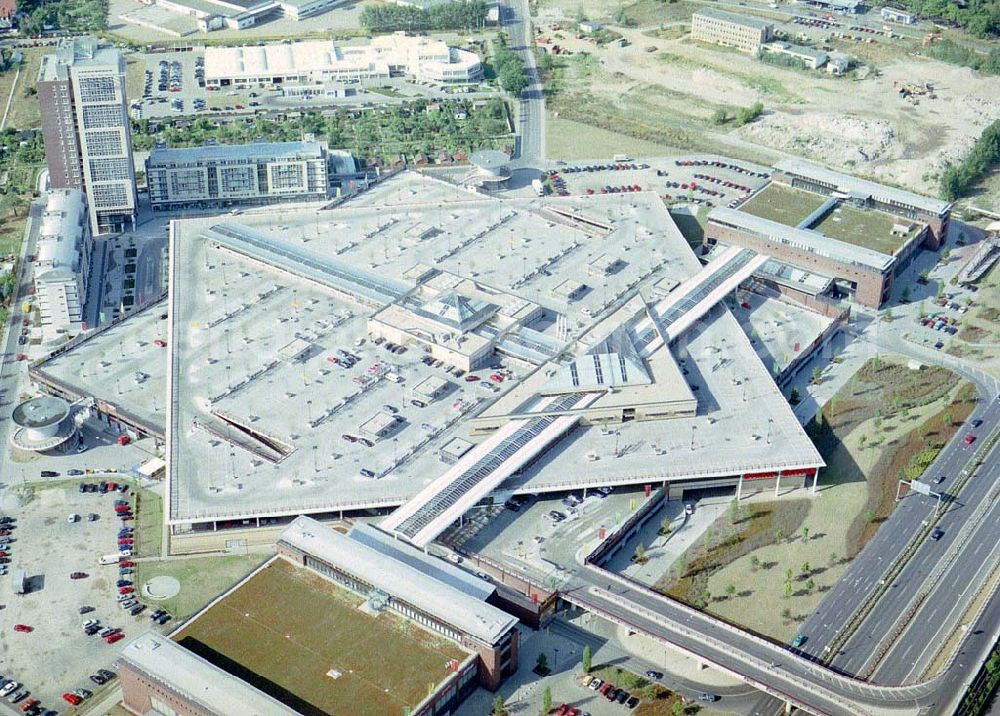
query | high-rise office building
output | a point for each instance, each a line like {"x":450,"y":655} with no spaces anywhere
{"x":88,"y":143}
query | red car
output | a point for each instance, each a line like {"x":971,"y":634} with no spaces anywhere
{"x":71,"y":698}
{"x":78,"y":575}
{"x":113,"y":485}
{"x":969,"y":439}
{"x":125,"y":563}
{"x":471,"y":378}
{"x":123,"y":542}
{"x":29,"y":704}
{"x":125,"y":590}
{"x":22,"y":627}
{"x":112,"y":638}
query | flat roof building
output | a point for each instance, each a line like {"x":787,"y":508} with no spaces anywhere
{"x":442,"y":598}
{"x":322,"y":61}
{"x":813,"y":177}
{"x":892,"y":14}
{"x":230,"y":175}
{"x":844,"y":7}
{"x":62,"y":265}
{"x":810,"y":57}
{"x":159,"y":676}
{"x":730,"y":30}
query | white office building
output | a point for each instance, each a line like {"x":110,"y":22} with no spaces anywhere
{"x":323,"y":61}
{"x":62,"y":264}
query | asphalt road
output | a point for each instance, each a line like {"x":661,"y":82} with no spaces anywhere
{"x":866,"y":571}
{"x":10,"y":369}
{"x":531,"y":105}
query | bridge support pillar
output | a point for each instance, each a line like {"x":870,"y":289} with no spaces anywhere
{"x":788,"y":707}
{"x":739,"y":488}
{"x":815,"y":480}
{"x":777,"y":483}
{"x":702,"y":665}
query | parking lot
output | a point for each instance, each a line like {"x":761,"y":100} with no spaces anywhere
{"x":173,"y":86}
{"x":59,"y":539}
{"x":703,"y":181}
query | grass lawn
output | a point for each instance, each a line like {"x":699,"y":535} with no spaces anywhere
{"x":11,"y":235}
{"x":287,"y":629}
{"x":783,"y":204}
{"x":870,"y":229}
{"x":24,"y":112}
{"x":886,"y":421}
{"x":201,"y":578}
{"x":148,"y":524}
{"x":566,"y":139}
{"x":135,"y":76}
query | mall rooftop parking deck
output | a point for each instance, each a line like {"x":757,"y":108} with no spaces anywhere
{"x":279,"y":364}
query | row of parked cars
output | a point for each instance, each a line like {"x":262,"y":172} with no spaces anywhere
{"x":15,"y":693}
{"x":616,"y":166}
{"x":721,"y":165}
{"x":613,"y":693}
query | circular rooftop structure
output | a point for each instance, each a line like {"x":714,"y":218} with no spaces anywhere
{"x":491,"y":161}
{"x":42,"y":423}
{"x":40,"y":413}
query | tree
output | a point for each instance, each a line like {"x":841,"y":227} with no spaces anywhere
{"x":832,"y":558}
{"x":754,"y":562}
{"x":810,"y":585}
{"x":745,"y":115}
{"x":721,"y":116}
{"x":586,"y":659}
{"x":640,"y":554}
{"x":546,"y":701}
{"x":948,"y":418}
{"x":888,"y":314}
{"x":706,"y":596}
{"x":805,"y":534}
{"x":730,"y":590}
{"x":817,"y":375}
{"x":778,"y":534}
{"x":805,"y":568}
{"x":789,"y":573}
{"x":861,"y":442}
{"x":905,"y":295}
{"x":665,"y":526}
{"x":786,"y":613}
{"x":794,"y":396}
{"x":542,"y":663}
{"x":498,"y":706}
{"x":677,"y":709}
{"x":788,"y":589}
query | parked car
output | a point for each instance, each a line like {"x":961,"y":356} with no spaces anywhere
{"x":78,"y":575}
{"x":72,"y":699}
{"x":655,"y":675}
{"x":22,"y":628}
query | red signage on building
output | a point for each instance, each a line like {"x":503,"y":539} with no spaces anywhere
{"x":759,"y":475}
{"x":649,"y":488}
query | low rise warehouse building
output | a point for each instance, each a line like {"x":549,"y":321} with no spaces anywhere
{"x":322,"y":61}
{"x":811,"y":58}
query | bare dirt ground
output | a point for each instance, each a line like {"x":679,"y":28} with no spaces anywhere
{"x":670,"y":88}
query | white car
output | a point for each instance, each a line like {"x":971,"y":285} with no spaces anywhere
{"x":73,"y":517}
{"x":9,"y":688}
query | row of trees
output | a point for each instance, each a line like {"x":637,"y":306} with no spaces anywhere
{"x":66,"y":15}
{"x":387,"y":17}
{"x":510,"y":70}
{"x":739,"y":117}
{"x":957,"y":54}
{"x":403,"y":129}
{"x":958,"y":179}
{"x":979,"y":17}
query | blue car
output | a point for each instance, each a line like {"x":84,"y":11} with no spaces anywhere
{"x":123,"y":583}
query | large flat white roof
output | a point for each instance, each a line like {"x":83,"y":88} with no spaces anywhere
{"x":402,"y":579}
{"x":215,"y":690}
